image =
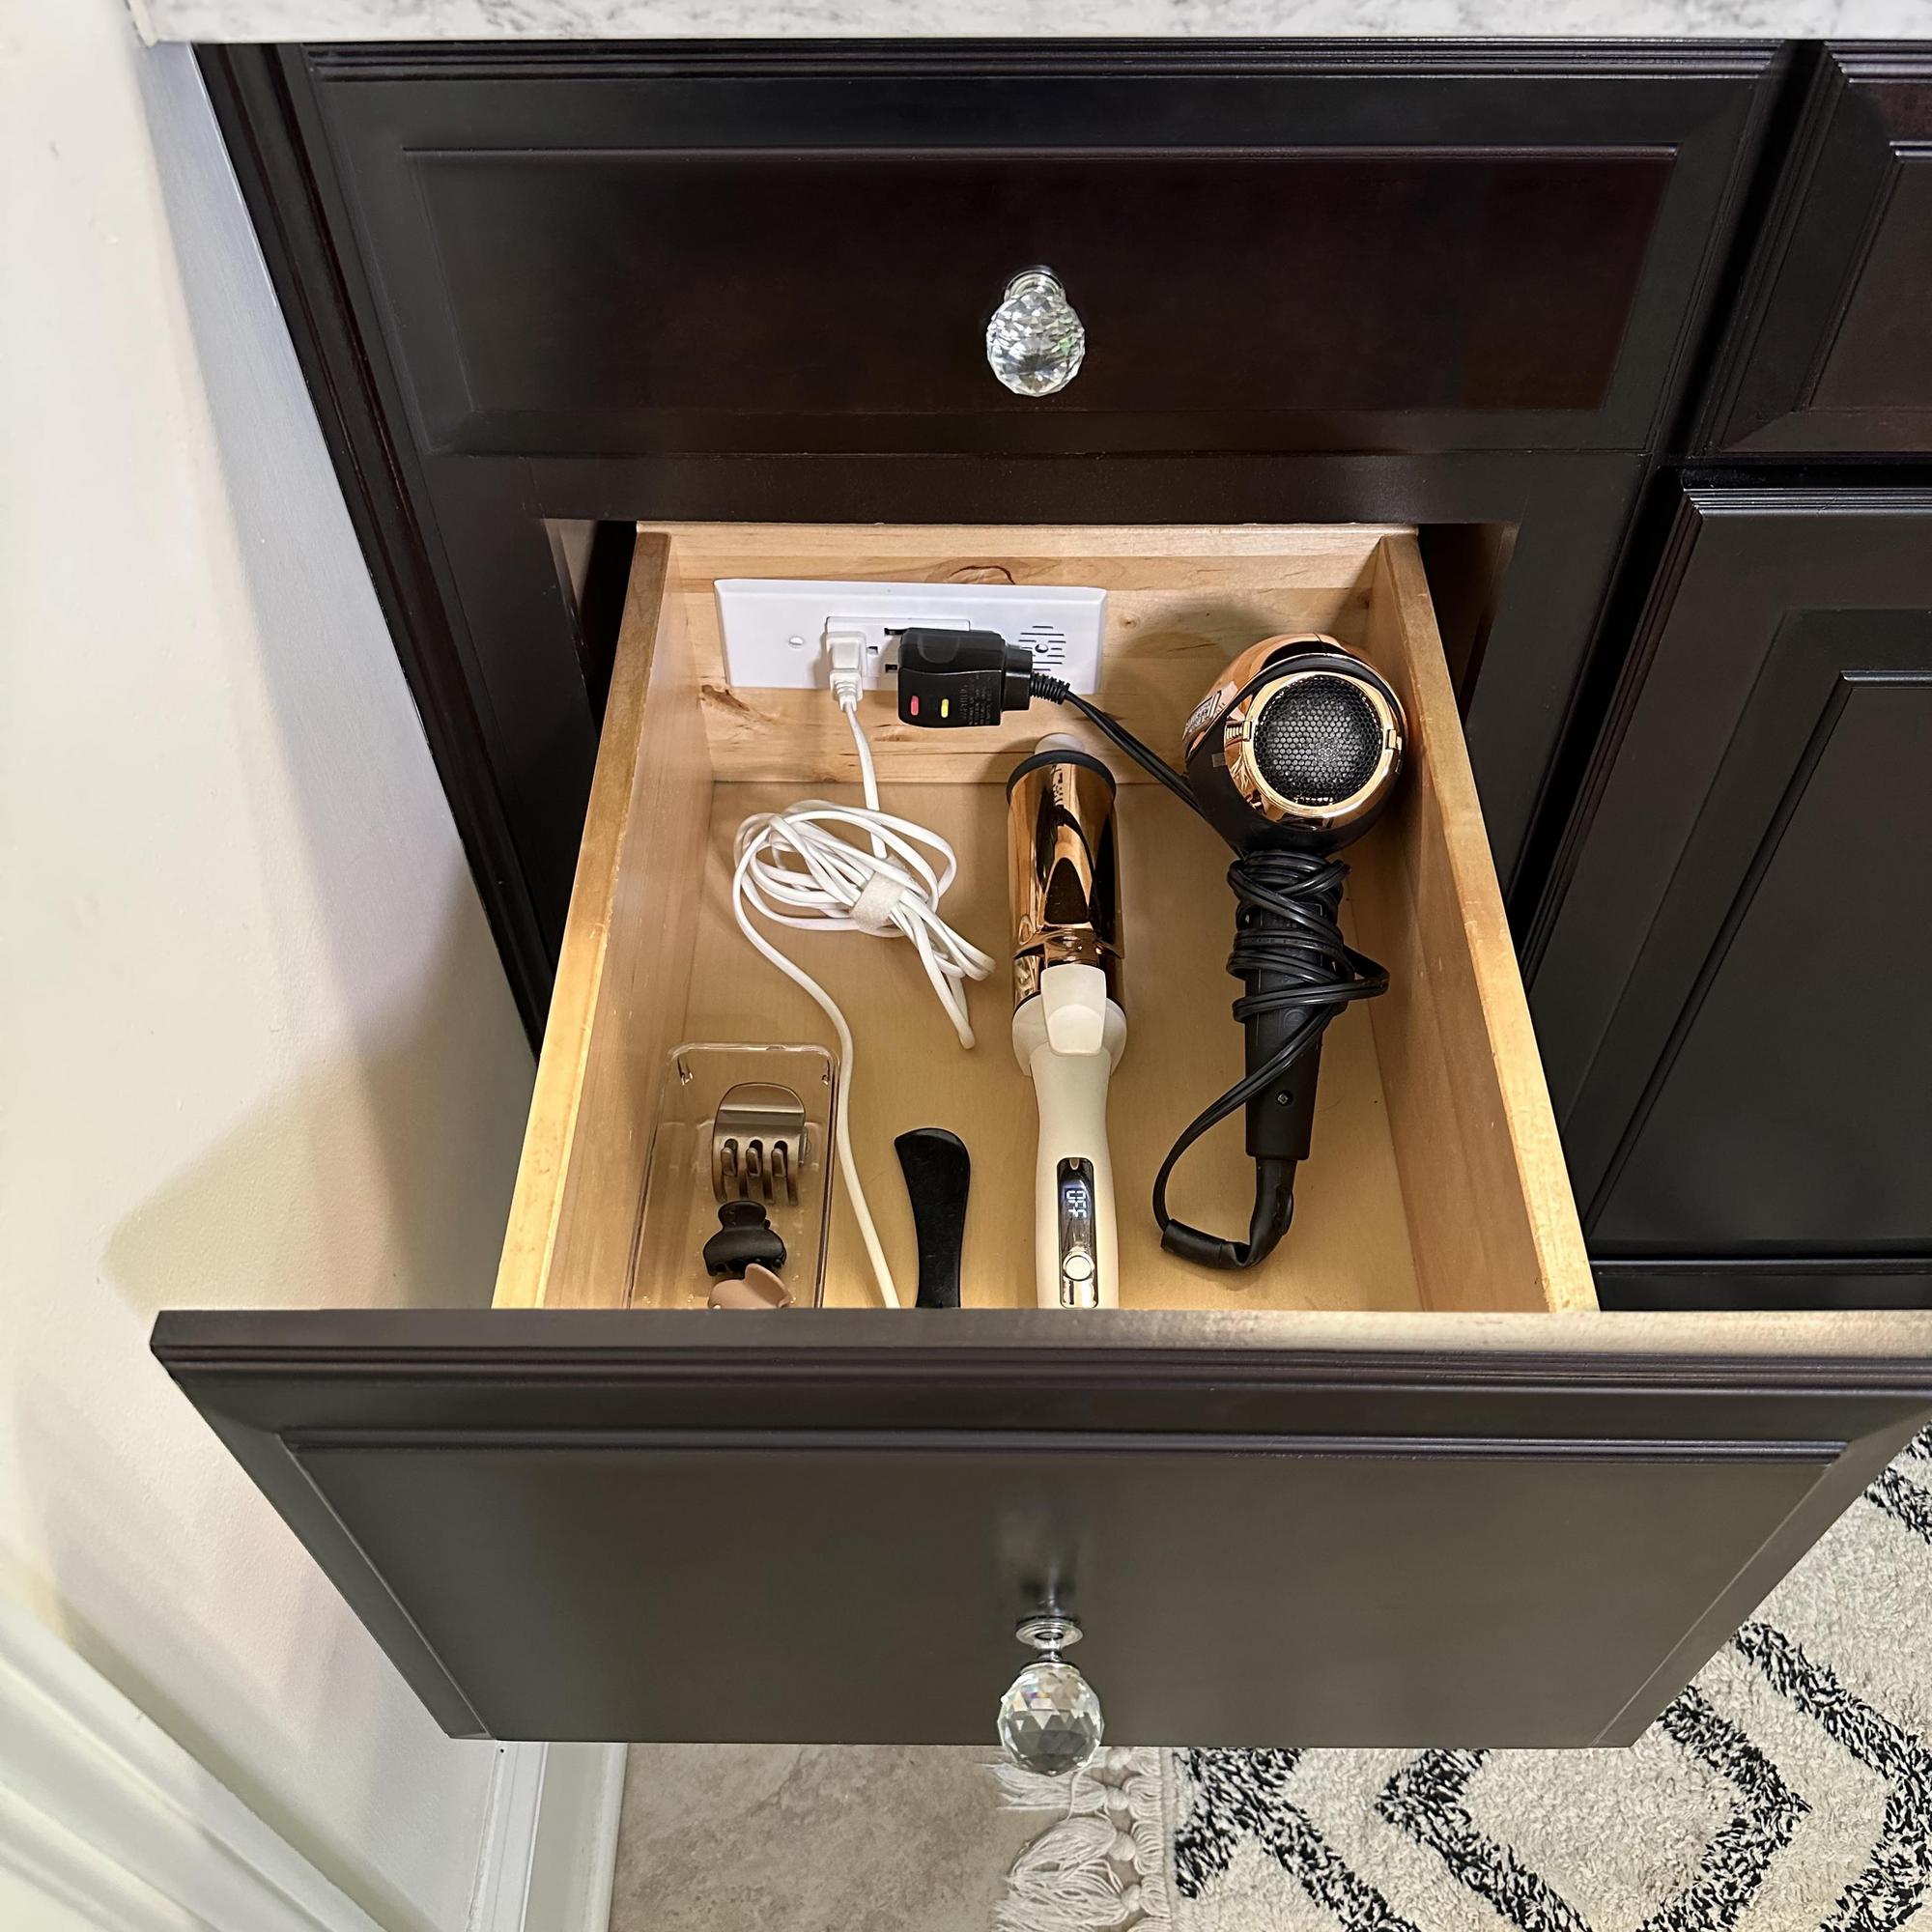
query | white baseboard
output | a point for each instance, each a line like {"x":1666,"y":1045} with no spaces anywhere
{"x":551,"y":1844}
{"x":105,"y":1814}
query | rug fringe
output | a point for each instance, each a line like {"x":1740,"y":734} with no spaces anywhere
{"x":1100,"y":1868}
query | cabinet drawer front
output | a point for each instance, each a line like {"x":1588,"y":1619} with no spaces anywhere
{"x":584,"y":1525}
{"x":1238,"y":1593}
{"x":1832,"y":349}
{"x":1276,"y":254}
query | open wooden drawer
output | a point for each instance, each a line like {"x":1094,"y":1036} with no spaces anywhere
{"x":1404,"y":1484}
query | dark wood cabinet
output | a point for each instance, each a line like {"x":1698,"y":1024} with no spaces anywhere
{"x":1454,"y":285}
{"x":1499,"y":291}
{"x":1830,"y":347}
{"x":1731,"y":998}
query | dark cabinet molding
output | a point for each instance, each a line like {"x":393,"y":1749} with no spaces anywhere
{"x":1830,"y":349}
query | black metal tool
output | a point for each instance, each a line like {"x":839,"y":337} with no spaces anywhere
{"x":938,"y":1172}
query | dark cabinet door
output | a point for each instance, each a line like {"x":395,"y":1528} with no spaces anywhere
{"x":1830,"y":348}
{"x":1731,"y":1000}
{"x":1276,"y":1528}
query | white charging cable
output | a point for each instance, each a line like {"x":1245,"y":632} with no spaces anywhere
{"x":797,"y":867}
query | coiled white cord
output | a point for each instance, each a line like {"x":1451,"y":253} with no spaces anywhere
{"x":797,"y":868}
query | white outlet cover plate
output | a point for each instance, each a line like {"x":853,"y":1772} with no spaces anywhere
{"x":774,"y":627}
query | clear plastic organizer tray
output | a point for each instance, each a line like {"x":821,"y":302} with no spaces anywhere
{"x":697,"y":1162}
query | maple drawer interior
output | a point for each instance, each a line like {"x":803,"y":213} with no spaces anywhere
{"x":1435,"y":1181}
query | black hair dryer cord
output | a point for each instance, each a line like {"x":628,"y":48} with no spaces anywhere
{"x":1299,"y":972}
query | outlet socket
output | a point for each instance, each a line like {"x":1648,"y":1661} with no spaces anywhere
{"x":773,"y":627}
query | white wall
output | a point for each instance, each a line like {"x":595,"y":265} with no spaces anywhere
{"x":25,"y":1908}
{"x":255,"y":1046}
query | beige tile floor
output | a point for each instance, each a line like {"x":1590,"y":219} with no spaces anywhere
{"x":809,"y":1838}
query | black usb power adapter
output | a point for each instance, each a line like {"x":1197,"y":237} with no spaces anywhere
{"x":948,"y":678}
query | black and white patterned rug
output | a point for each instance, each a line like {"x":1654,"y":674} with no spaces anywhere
{"x":1788,"y":1789}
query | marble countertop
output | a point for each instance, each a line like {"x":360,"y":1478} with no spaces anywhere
{"x":913,"y":19}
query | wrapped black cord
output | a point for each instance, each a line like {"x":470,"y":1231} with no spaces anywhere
{"x":1299,"y":972}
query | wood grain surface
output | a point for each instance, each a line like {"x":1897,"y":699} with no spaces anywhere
{"x":621,"y":982}
{"x":1458,"y":1053}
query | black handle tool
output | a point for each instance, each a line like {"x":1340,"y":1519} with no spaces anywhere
{"x":938,"y":1171}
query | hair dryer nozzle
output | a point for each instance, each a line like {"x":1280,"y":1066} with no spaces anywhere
{"x":1299,"y":743}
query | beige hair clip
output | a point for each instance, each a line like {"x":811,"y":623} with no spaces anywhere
{"x":758,"y":1287}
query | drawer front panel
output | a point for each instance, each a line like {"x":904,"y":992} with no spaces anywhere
{"x":1832,"y":351}
{"x":825,"y":1528}
{"x":866,"y":1592}
{"x":695,"y":290}
{"x":1284,"y":253}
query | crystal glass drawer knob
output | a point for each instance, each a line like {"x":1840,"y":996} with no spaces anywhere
{"x":1050,"y":1721}
{"x":1035,"y":340}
